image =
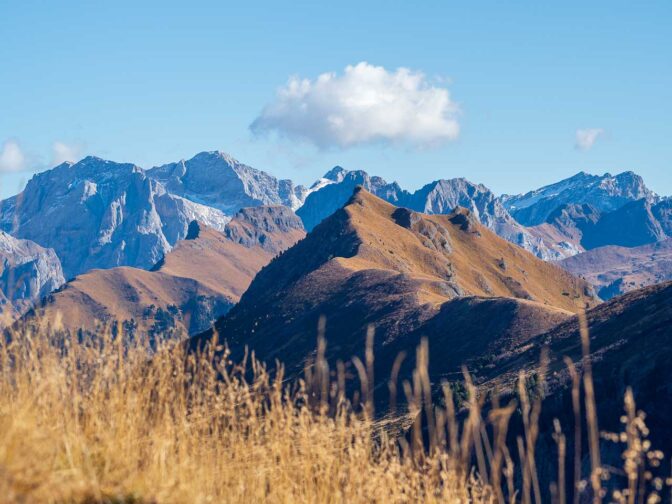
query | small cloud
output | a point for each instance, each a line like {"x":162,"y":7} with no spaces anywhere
{"x":12,"y":158}
{"x":366,"y":104}
{"x":586,"y":138}
{"x":61,"y":152}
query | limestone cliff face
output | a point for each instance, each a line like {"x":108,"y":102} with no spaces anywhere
{"x":28,"y":273}
{"x":100,"y":214}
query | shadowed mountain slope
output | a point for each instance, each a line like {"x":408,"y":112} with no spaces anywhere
{"x":631,"y":225}
{"x":581,"y":227}
{"x":631,"y":346}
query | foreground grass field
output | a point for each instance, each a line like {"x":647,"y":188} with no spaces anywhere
{"x":103,"y":422}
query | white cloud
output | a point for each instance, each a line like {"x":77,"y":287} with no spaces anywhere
{"x":366,"y":104}
{"x":12,"y":158}
{"x":61,"y":152}
{"x":586,"y":138}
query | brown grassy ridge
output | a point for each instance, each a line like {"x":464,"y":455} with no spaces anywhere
{"x":227,"y":263}
{"x":106,"y":420}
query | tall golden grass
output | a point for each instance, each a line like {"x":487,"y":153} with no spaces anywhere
{"x":107,"y":420}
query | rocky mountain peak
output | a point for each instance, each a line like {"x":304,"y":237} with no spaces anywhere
{"x":102,"y":214}
{"x":629,"y":185}
{"x":606,"y":193}
{"x":332,"y":194}
{"x":336,"y":174}
{"x":218,"y":180}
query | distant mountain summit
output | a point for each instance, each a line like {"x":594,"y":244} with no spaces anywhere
{"x":218,"y":180}
{"x":438,"y":197}
{"x":600,"y":217}
{"x":443,"y":196}
{"x":334,"y":189}
{"x":101,"y":214}
{"x":336,"y":174}
{"x":605,"y":193}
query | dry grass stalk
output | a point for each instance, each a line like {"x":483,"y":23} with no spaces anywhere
{"x":111,"y":421}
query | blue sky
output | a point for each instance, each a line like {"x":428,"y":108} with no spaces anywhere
{"x":163,"y":81}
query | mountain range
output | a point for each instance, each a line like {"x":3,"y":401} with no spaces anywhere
{"x":438,"y":197}
{"x":98,"y":214}
{"x":217,"y":180}
{"x":212,"y":246}
{"x":479,"y":301}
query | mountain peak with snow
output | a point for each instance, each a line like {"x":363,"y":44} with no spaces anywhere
{"x":336,"y":174}
{"x":605,"y":192}
{"x":218,"y":180}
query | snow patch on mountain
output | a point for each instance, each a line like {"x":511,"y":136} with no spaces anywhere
{"x":606,"y":193}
